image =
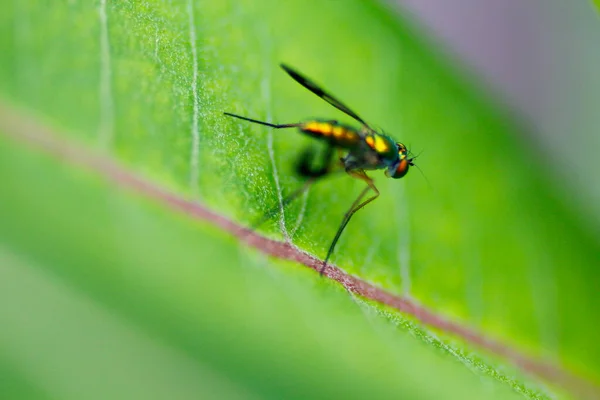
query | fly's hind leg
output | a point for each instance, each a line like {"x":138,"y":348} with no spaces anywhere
{"x":305,"y":166}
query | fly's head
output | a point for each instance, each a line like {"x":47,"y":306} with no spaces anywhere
{"x":400,"y":167}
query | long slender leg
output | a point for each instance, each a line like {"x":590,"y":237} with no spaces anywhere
{"x":357,"y":205}
{"x":277,"y":126}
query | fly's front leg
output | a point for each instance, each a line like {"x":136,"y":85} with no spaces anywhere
{"x":357,"y":205}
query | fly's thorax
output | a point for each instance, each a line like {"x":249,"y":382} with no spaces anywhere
{"x":384,"y":146}
{"x":375,"y":151}
{"x":337,"y":134}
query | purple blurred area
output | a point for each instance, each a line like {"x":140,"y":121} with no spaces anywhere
{"x":542,"y":58}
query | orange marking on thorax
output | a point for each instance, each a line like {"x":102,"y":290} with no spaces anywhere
{"x":377,"y":143}
{"x":381,"y":145}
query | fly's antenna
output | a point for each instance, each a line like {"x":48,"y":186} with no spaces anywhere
{"x":424,"y":176}
{"x":415,"y":157}
{"x":419,"y":168}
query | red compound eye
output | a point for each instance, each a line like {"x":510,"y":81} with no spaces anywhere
{"x":401,"y":169}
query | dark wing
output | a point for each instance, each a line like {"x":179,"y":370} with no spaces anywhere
{"x":313,"y":87}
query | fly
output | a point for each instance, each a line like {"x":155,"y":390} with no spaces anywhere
{"x":363,"y":149}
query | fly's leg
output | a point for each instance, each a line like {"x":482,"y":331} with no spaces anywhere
{"x":255,"y":121}
{"x":305,"y":166}
{"x":357,"y":205}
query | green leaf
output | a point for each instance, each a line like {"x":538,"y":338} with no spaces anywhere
{"x":492,"y":244}
{"x":154,"y":304}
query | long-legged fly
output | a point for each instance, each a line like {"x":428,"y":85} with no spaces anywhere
{"x":362,"y":149}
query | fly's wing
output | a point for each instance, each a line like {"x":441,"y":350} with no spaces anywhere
{"x":313,"y":87}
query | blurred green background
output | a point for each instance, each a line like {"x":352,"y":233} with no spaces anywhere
{"x":108,"y":295}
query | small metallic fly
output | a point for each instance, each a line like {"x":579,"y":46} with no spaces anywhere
{"x":360,"y":150}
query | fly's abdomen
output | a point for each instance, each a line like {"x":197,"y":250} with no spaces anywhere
{"x":336,"y":134}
